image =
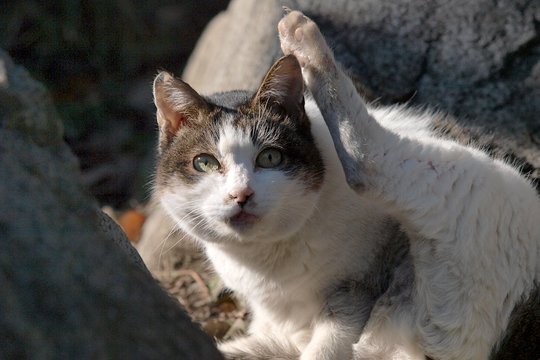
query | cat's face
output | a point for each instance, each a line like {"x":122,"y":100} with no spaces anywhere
{"x":234,"y":167}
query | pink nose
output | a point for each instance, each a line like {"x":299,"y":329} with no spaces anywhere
{"x":241,"y":196}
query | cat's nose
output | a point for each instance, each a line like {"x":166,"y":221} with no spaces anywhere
{"x":241,"y":196}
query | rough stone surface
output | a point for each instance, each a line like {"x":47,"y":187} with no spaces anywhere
{"x":72,"y":287}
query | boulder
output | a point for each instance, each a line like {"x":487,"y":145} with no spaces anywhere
{"x":72,"y":286}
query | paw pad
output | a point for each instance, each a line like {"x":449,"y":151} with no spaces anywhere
{"x":301,"y":37}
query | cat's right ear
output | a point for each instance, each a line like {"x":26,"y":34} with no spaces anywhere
{"x":177,"y":103}
{"x":282,"y":88}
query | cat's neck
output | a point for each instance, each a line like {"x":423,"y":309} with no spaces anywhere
{"x":256,"y":255}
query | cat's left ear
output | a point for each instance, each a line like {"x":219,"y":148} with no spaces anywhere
{"x":282,"y":88}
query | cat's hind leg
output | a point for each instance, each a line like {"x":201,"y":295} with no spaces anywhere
{"x":342,"y":108}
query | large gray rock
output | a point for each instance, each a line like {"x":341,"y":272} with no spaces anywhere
{"x":71,"y":285}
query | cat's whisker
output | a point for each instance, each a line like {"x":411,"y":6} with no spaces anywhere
{"x":185,"y":235}
{"x":161,"y":246}
{"x":173,"y":230}
{"x":176,"y":243}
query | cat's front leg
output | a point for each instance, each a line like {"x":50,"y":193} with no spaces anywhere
{"x":261,"y":343}
{"x":329,"y":342}
{"x":347,"y":308}
{"x":258,"y":347}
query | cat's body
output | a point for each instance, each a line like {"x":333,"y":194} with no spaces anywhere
{"x":284,"y":278}
{"x":305,"y":216}
{"x":286,"y":282}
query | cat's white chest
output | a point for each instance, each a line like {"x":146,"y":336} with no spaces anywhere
{"x":292,"y":285}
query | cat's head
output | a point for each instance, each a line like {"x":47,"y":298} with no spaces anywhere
{"x":237,"y":166}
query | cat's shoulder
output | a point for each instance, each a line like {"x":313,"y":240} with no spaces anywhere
{"x":411,"y":121}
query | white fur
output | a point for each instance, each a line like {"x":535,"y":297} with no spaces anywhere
{"x":472,"y":220}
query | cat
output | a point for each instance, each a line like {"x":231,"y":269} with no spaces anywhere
{"x":351,"y":231}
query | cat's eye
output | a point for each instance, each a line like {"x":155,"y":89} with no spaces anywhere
{"x":269,"y":158}
{"x":206,"y":163}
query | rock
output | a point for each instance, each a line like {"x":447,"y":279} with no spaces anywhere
{"x":72,"y":286}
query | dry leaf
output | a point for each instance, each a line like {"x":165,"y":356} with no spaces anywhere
{"x":131,"y":222}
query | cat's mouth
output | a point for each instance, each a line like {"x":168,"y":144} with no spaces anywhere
{"x":243,"y":220}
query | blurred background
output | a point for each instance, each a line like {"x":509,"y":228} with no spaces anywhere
{"x":98,"y":59}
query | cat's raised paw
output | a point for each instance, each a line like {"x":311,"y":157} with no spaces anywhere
{"x":300,"y":36}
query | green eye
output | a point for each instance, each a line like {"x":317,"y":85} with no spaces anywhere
{"x":206,"y":163}
{"x":269,"y":158}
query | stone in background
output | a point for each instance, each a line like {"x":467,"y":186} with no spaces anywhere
{"x":71,"y":285}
